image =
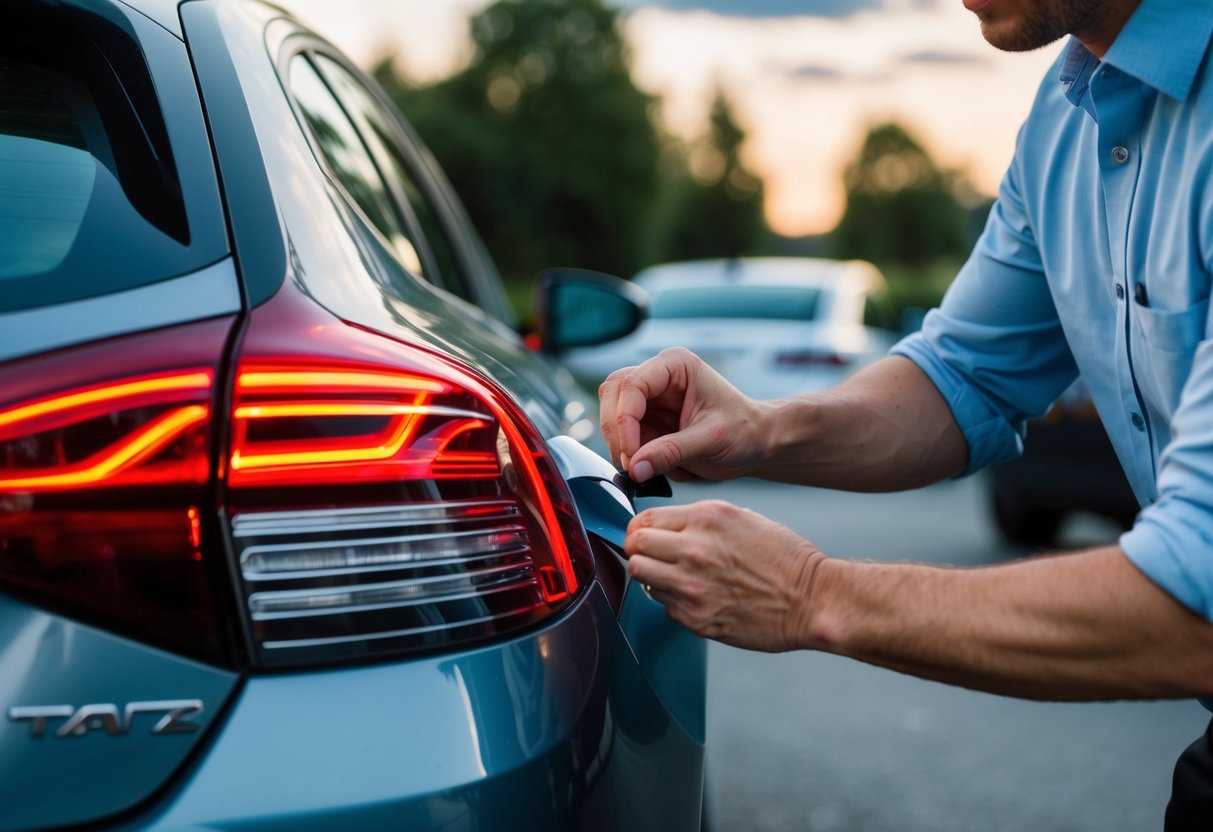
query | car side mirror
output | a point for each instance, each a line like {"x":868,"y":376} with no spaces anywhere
{"x":581,"y":308}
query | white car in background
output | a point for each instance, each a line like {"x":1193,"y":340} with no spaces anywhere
{"x":773,"y":326}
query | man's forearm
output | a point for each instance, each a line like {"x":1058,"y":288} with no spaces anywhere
{"x":884,"y":429}
{"x":1068,"y":627}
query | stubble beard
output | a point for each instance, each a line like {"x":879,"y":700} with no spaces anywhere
{"x":1044,"y":23}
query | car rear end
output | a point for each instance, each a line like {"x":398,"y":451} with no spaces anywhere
{"x":119,"y":300}
{"x":260,"y":567}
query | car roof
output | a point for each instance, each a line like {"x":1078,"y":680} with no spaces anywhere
{"x":766,"y":271}
{"x":163,"y":12}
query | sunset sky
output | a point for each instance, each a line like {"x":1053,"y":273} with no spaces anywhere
{"x":807,"y":78}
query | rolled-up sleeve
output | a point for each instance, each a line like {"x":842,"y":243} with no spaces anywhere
{"x":995,"y":347}
{"x":1172,"y":540}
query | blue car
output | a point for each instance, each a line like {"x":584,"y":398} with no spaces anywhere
{"x":295,"y":532}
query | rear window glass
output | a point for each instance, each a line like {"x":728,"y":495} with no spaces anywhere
{"x":92,"y":196}
{"x":778,"y":302}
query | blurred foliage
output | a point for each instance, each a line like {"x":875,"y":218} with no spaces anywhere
{"x":716,"y":208}
{"x":545,"y":136}
{"x":902,"y":209}
{"x":557,"y":155}
{"x":921,"y":287}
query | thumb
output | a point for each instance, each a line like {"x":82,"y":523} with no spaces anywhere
{"x":670,"y":452}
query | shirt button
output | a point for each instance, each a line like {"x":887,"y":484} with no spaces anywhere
{"x":1120,"y":154}
{"x":1120,"y":292}
{"x":1139,"y":295}
{"x":1138,"y":422}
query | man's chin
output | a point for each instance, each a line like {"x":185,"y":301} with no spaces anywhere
{"x":1011,"y":38}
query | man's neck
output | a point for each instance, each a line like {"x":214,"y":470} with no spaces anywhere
{"x":1103,"y":31}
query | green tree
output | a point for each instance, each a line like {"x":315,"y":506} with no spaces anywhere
{"x":545,"y":136}
{"x":717,"y":210}
{"x":901,"y":207}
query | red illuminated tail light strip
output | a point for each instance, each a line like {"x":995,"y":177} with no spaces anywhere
{"x":181,"y":400}
{"x":106,"y":501}
{"x":302,"y":425}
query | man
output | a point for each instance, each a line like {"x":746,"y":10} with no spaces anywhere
{"x":1096,"y":260}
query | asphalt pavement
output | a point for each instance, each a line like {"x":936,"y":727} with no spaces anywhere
{"x":805,"y":741}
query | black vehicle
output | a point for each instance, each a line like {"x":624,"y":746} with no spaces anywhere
{"x":1068,"y":465}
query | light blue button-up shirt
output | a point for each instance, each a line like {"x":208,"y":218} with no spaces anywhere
{"x":1096,"y":260}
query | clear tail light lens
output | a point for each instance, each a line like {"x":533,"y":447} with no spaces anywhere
{"x":105,"y":459}
{"x":385,"y":500}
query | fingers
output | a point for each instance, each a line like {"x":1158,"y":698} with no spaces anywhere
{"x":627,"y":398}
{"x":608,"y":408}
{"x":656,"y":546}
{"x":657,"y":577}
{"x":671,"y":518}
{"x":662,"y":547}
{"x":671,"y":453}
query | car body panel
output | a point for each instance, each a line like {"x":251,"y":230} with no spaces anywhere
{"x":450,"y":742}
{"x":674,"y":665}
{"x":208,"y":293}
{"x":49,"y":660}
{"x":256,"y":228}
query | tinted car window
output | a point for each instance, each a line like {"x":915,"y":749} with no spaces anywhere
{"x":377,"y":128}
{"x":778,"y":302}
{"x":92,"y":196}
{"x":349,"y":159}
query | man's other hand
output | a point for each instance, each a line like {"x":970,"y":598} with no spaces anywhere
{"x":726,"y":573}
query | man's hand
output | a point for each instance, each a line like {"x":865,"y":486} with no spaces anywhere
{"x":886,"y":428}
{"x":726,"y":573}
{"x":677,"y":416}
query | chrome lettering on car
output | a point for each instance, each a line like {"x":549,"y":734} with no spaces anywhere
{"x":177,"y":716}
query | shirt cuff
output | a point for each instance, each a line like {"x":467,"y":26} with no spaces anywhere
{"x":1168,"y":543}
{"x":990,"y":437}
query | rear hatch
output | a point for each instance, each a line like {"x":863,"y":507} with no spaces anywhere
{"x":117,"y":303}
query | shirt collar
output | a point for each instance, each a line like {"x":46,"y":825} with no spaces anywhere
{"x":1162,"y":45}
{"x":1076,"y":67}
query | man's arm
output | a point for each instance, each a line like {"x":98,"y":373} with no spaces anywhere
{"x":1084,"y":626}
{"x":884,"y":429}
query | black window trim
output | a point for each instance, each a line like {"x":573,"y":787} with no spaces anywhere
{"x":295,"y":48}
{"x":477,"y":268}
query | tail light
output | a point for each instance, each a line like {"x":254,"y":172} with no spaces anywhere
{"x":378,"y":499}
{"x":385,"y":500}
{"x":105,"y":458}
{"x":799,"y":359}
